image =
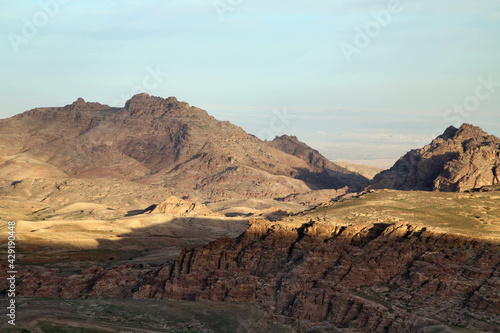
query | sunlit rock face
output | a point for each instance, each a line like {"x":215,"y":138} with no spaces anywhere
{"x":458,"y":160}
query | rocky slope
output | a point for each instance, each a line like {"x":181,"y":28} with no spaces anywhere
{"x":153,"y":140}
{"x":340,"y":176}
{"x":362,"y":278}
{"x":458,"y":160}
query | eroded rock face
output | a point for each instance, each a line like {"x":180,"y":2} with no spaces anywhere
{"x":369,"y":278}
{"x":458,"y":160}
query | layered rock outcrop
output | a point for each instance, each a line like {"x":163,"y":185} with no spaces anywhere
{"x":180,"y":207}
{"x":458,"y":160}
{"x":369,"y":278}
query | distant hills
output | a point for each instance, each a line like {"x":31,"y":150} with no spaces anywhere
{"x":152,"y":140}
{"x":365,"y":170}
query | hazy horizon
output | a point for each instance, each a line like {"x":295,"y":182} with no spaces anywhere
{"x":356,"y":80}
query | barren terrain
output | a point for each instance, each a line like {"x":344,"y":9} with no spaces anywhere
{"x":156,"y":217}
{"x":391,"y":259}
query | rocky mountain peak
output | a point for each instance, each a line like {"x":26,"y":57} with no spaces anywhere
{"x":79,"y":101}
{"x":155,"y":140}
{"x":449,"y":133}
{"x":143,"y":104}
{"x":468,"y":131}
{"x":287,"y":137}
{"x":458,"y":160}
{"x":81,"y":105}
{"x":465,"y":132}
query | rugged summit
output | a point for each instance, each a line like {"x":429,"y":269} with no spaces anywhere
{"x":80,"y":104}
{"x":153,"y":140}
{"x":458,"y":160}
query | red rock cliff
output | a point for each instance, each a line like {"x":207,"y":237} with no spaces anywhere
{"x":373,"y":278}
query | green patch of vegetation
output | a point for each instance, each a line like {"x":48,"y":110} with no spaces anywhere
{"x":219,"y":322}
{"x":97,"y":316}
{"x":447,"y":329}
{"x":15,"y":330}
{"x":454,"y":212}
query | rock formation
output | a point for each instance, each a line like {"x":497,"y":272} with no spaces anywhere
{"x":180,"y":207}
{"x":153,"y":140}
{"x":458,"y":160}
{"x":369,"y":278}
{"x":80,"y":104}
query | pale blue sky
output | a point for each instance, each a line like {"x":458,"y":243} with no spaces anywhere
{"x":266,"y":57}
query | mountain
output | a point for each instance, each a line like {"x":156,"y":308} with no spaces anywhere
{"x":458,"y":160}
{"x":334,"y":175}
{"x":157,"y":141}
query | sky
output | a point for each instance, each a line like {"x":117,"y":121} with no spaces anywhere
{"x":359,"y":80}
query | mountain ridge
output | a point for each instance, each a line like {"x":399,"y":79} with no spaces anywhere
{"x":155,"y":140}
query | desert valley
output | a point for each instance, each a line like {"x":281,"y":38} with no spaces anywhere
{"x":157,"y":217}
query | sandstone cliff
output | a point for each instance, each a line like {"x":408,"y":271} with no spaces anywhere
{"x":458,"y":160}
{"x":369,"y":278}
